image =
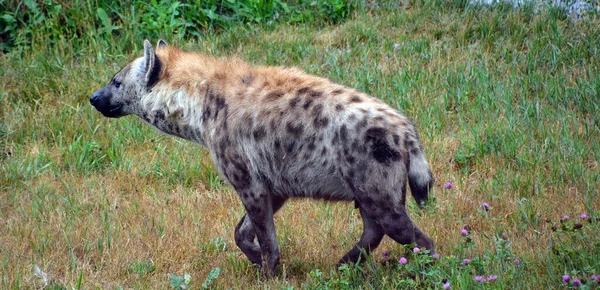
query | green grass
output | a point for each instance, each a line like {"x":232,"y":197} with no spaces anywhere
{"x":507,"y":103}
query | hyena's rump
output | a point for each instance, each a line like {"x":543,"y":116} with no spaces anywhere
{"x":278,"y":133}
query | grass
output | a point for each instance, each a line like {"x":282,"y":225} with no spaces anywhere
{"x":507,"y":103}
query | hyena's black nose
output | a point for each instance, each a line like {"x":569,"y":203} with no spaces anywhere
{"x":94,"y":98}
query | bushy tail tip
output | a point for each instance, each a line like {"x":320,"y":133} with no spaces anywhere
{"x":420,"y":178}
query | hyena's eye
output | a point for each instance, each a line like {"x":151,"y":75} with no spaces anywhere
{"x":116,"y":83}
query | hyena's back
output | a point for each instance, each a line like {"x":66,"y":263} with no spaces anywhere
{"x":308,"y":137}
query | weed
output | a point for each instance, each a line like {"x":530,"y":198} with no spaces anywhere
{"x":141,"y":268}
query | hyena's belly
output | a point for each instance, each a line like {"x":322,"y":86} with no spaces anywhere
{"x":314,"y":183}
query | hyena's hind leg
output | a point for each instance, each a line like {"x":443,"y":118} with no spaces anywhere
{"x":387,"y":204}
{"x":369,"y":240}
{"x":245,"y":234}
{"x":397,"y":225}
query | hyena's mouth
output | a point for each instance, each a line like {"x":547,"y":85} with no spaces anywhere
{"x":111,"y":112}
{"x":108,"y":110}
{"x":115,"y":109}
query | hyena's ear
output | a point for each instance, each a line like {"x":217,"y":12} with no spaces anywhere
{"x":152,"y":65}
{"x":161,"y":44}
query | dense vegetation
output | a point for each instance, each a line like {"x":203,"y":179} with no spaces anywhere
{"x":507,"y":101}
{"x":123,"y":23}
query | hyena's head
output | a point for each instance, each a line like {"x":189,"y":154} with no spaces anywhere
{"x":122,"y":95}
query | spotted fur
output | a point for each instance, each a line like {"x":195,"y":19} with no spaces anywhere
{"x":277,"y":133}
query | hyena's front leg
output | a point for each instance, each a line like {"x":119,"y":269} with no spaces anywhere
{"x":259,"y":210}
{"x":245,"y":234}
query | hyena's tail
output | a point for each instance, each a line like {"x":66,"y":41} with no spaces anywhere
{"x":420,"y":178}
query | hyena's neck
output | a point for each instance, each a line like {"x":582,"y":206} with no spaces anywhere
{"x":176,"y":111}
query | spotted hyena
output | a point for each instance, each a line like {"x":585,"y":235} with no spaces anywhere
{"x":276,"y":133}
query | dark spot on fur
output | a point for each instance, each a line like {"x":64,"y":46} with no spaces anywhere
{"x":277,"y":144}
{"x":362,"y":124}
{"x":259,"y":133}
{"x":291,"y":146}
{"x":311,"y":143}
{"x":376,"y":133}
{"x":344,"y":133}
{"x":178,"y":131}
{"x":324,"y":151}
{"x":396,"y":138}
{"x":307,"y":104}
{"x":336,"y":138}
{"x":337,"y":92}
{"x":224,"y":123}
{"x":380,"y":148}
{"x":379,"y":118}
{"x":303,"y":90}
{"x":220,"y":76}
{"x":355,"y":99}
{"x":338,"y":156}
{"x":295,"y":130}
{"x":363,"y":178}
{"x":248,"y":79}
{"x":273,"y":96}
{"x":206,"y":114}
{"x":315,"y":94}
{"x":317,"y":110}
{"x":339,"y":107}
{"x":273,"y":124}
{"x":307,"y":155}
{"x":351,"y":173}
{"x":159,"y":117}
{"x":415,"y":151}
{"x":219,"y":106}
{"x":332,"y":169}
{"x":350,"y":159}
{"x":350,"y":184}
{"x":294,"y":102}
{"x":321,"y":122}
{"x":240,"y":176}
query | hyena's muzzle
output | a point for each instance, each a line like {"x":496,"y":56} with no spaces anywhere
{"x":103,"y":101}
